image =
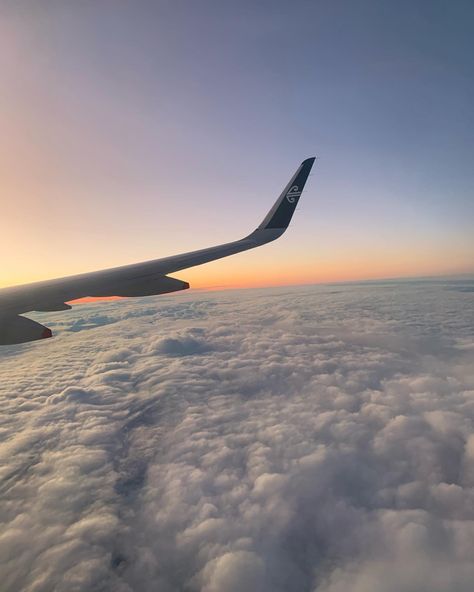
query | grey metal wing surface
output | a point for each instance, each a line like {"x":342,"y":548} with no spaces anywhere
{"x":139,"y":279}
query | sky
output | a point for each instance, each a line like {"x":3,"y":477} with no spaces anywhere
{"x":316,"y":438}
{"x":136,"y":130}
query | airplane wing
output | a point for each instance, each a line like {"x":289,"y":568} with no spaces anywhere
{"x":140,"y":279}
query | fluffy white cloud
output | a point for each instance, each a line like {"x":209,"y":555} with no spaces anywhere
{"x":313,"y":439}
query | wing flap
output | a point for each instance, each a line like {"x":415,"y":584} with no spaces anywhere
{"x":142,"y":287}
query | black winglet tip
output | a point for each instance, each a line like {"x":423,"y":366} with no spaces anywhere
{"x":309,"y":161}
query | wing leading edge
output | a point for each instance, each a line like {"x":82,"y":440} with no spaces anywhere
{"x":140,"y":279}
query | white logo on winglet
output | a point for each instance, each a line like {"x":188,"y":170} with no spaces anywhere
{"x":293,"y":193}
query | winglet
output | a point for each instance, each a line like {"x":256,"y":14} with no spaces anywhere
{"x":281,"y":213}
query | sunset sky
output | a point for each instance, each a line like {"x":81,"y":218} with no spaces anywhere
{"x":136,"y":130}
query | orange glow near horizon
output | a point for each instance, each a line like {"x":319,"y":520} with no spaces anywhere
{"x":277,"y":266}
{"x":221,"y":275}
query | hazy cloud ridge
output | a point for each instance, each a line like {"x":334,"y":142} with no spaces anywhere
{"x":313,"y":439}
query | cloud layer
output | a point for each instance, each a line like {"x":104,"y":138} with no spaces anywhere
{"x":315,"y":439}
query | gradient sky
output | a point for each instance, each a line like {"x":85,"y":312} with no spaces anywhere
{"x":132,"y":130}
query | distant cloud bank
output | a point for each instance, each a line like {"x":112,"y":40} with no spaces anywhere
{"x":312,"y":439}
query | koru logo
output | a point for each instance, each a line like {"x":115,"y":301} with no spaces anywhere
{"x":293,"y":193}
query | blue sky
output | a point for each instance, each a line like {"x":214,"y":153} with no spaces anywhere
{"x":145,"y":128}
